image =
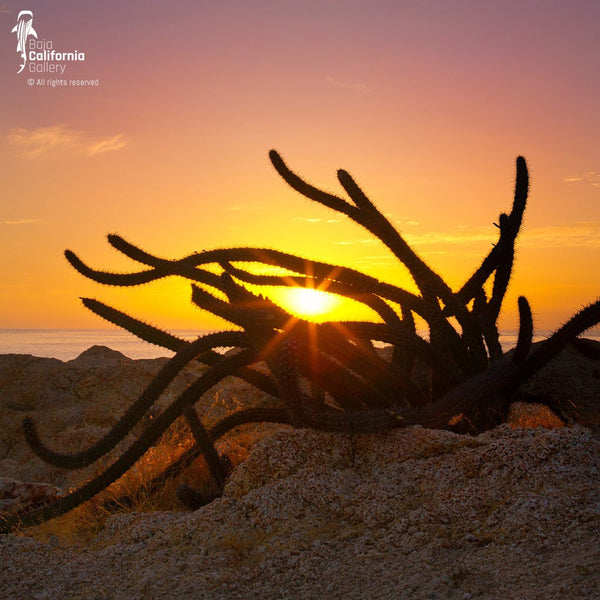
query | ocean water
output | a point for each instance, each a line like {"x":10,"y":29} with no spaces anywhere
{"x":67,"y":344}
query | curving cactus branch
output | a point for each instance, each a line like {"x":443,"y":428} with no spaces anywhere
{"x":328,"y":375}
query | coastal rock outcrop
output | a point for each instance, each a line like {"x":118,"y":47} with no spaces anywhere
{"x":75,"y":402}
{"x":411,"y":512}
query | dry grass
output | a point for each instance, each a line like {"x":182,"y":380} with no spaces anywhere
{"x":83,"y":523}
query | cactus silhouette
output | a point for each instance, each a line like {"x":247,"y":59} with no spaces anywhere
{"x":328,"y":375}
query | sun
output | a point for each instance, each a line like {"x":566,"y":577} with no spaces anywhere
{"x":308,"y":303}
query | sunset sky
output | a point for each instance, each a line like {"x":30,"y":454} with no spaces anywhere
{"x":427,"y":104}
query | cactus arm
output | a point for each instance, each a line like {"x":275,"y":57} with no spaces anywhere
{"x":241,"y":417}
{"x":136,"y":411}
{"x":157,"y":336}
{"x":430,"y":284}
{"x":525,"y":337}
{"x":373,"y":301}
{"x":515,"y":219}
{"x":87,"y":491}
{"x":309,"y":191}
{"x":146,"y":332}
{"x":107,"y":278}
{"x":206,"y":446}
{"x":540,"y":356}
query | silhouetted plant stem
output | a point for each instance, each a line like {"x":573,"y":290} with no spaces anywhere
{"x":329,"y":375}
{"x":134,"y":452}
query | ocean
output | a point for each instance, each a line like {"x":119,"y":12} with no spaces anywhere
{"x":67,"y":344}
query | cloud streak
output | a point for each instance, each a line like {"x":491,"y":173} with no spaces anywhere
{"x":60,"y":140}
{"x":361,"y":88}
{"x":316,"y":220}
{"x":572,"y":235}
{"x":110,"y":144}
{"x":585,"y":234}
{"x":590,"y":177}
{"x":20,"y":221}
{"x":245,"y":207}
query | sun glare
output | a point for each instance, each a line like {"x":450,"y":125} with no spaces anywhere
{"x":308,"y":303}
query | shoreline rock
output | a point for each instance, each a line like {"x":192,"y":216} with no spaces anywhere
{"x":74,"y":403}
{"x":409,"y":513}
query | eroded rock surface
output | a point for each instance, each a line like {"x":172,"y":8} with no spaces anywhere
{"x":412,"y":513}
{"x":75,"y":403}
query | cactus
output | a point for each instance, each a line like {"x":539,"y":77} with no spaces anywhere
{"x":327,"y":375}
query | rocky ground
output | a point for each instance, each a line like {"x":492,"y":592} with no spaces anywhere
{"x":74,"y":403}
{"x":412,"y":513}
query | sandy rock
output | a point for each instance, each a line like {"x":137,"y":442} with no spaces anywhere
{"x":30,"y":383}
{"x":414,"y":513}
{"x":524,"y":414}
{"x":100,"y":356}
{"x":409,"y":513}
{"x":283,"y":454}
{"x":73,"y":404}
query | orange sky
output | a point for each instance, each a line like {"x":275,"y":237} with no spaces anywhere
{"x":426,"y":104}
